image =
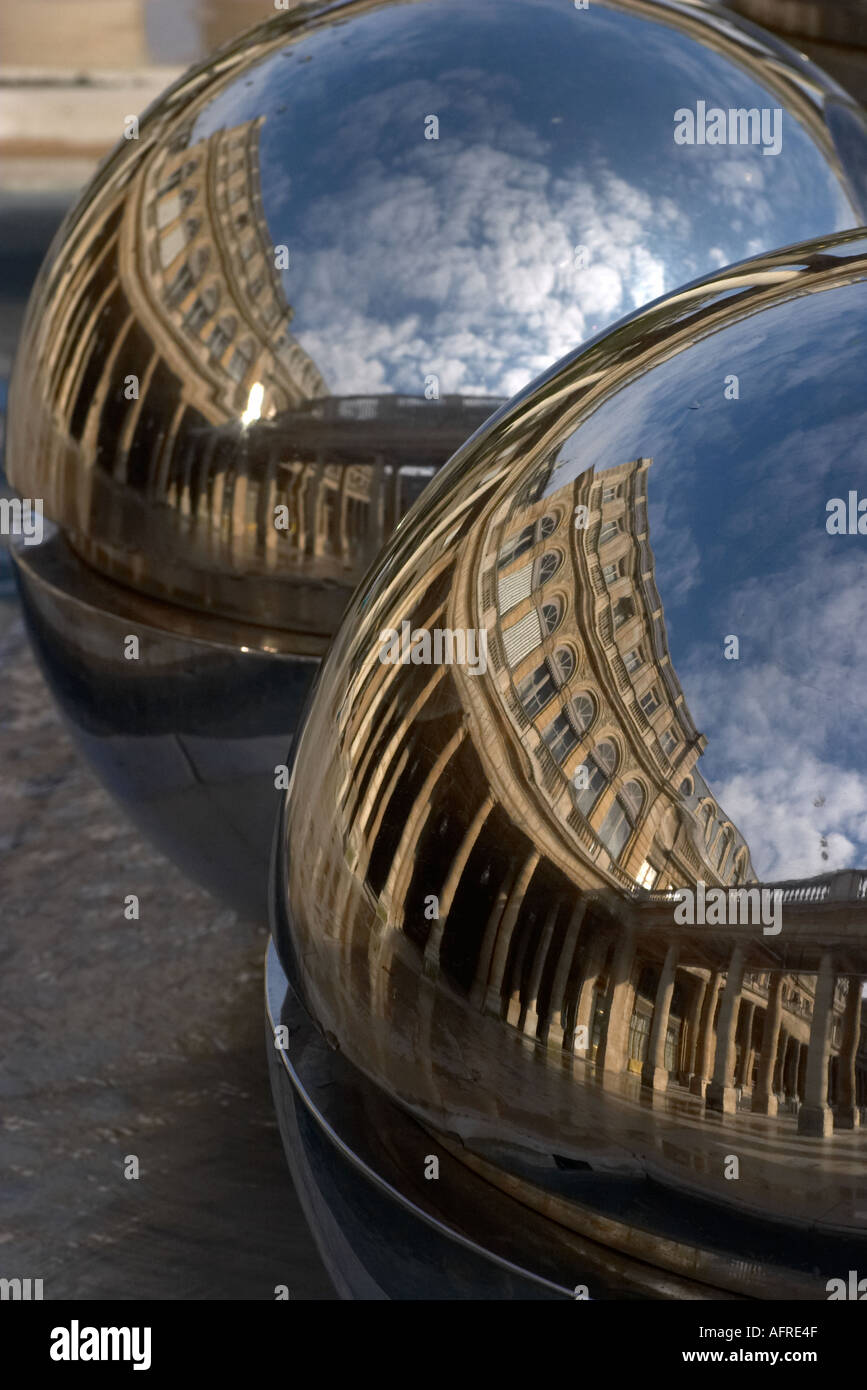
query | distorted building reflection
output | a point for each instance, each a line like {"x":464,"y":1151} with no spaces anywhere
{"x":206,"y":404}
{"x":536,"y":868}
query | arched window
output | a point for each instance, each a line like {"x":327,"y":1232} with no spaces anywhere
{"x":568,"y":728}
{"x":552,"y":612}
{"x":686,"y":787}
{"x":548,"y":525}
{"x":240,"y":360}
{"x":707,"y":822}
{"x":725,"y":840}
{"x":564,"y":660}
{"x":201,"y":310}
{"x":199,"y":262}
{"x":618,"y":826}
{"x":583,"y":711}
{"x":221,"y":338}
{"x":548,"y":566}
{"x":592,"y":777}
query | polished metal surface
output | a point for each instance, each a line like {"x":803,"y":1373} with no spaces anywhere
{"x":187,"y":737}
{"x":361,"y":1168}
{"x":574,"y":861}
{"x":282,"y":303}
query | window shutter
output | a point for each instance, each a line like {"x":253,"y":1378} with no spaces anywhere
{"x":514,"y":587}
{"x":520,"y":639}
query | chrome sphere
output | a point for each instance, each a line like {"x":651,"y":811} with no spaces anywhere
{"x":311,"y":273}
{"x":573,"y":868}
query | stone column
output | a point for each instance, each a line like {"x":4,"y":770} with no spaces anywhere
{"x":815,"y":1116}
{"x":486,"y":950}
{"x":514,"y":1007}
{"x":699,"y":991}
{"x":721,"y":1092}
{"x":493,"y":995}
{"x":780,"y":1064}
{"x":459,"y":863}
{"x":745,"y":1019}
{"x":594,"y":961}
{"x":846,"y":1113}
{"x":612,"y":1053}
{"x":552,"y":1030}
{"x":654,"y":1073}
{"x":704,"y":1060}
{"x":531,"y":1018}
{"x":764,"y":1101}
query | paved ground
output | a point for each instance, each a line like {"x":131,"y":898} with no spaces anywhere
{"x":126,"y":1038}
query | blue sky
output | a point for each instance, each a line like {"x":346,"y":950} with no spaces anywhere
{"x":737,"y":499}
{"x":456,"y":256}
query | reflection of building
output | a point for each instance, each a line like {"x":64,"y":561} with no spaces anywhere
{"x":189,"y":423}
{"x":213,"y":275}
{"x":554,"y":909}
{"x":591,"y":689}
{"x":187,"y":293}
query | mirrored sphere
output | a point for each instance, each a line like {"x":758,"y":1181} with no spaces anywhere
{"x":574,"y":863}
{"x":311,"y":273}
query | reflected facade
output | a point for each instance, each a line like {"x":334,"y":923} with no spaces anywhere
{"x":272,"y":318}
{"x":275,"y":314}
{"x":601,"y":906}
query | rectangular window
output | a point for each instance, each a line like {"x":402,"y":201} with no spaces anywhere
{"x":633,"y":660}
{"x":622,"y":611}
{"x":238,"y":365}
{"x":649,"y":701}
{"x":219,"y":341}
{"x":672,"y":1038}
{"x":647,"y":875}
{"x":536,"y":690}
{"x":611,"y":492}
{"x":197,"y":317}
{"x":516,"y":545}
{"x":669,"y":742}
{"x":609,"y":530}
{"x":615,"y":830}
{"x":560,"y":737}
{"x":639,"y":1036}
{"x":586,"y":797}
{"x":611,"y":573}
{"x":181,"y":285}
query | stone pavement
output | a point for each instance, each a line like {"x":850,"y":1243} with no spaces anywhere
{"x":123,"y":1038}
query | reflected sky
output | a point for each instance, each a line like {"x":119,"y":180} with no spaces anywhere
{"x":457,"y":256}
{"x":737,"y":499}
